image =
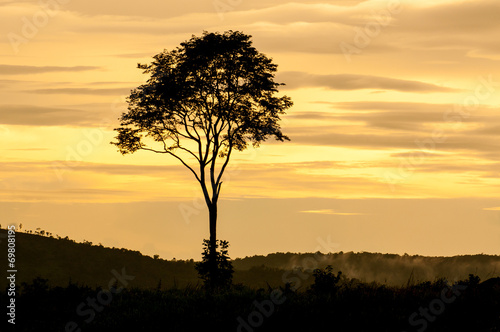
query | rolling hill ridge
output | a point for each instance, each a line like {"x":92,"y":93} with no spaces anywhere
{"x":63,"y":260}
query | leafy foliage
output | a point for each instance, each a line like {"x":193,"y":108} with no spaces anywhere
{"x":222,"y":276}
{"x":214,"y":86}
{"x":325,"y":280}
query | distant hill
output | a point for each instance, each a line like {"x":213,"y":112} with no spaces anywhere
{"x":63,"y":260}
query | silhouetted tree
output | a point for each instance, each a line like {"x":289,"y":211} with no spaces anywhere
{"x":212,"y":95}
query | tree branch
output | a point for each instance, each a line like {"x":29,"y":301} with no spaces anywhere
{"x":179,"y":158}
{"x":218,"y":182}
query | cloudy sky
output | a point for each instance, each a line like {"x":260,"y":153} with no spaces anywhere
{"x":394,"y":130}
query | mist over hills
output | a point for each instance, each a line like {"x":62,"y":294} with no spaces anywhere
{"x":63,"y":260}
{"x":390,"y":269}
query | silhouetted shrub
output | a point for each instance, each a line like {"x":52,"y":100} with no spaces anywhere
{"x":221,"y":277}
{"x":325,"y":281}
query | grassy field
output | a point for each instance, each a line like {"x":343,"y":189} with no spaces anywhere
{"x":345,"y":305}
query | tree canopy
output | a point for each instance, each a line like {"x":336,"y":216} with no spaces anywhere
{"x":210,"y":96}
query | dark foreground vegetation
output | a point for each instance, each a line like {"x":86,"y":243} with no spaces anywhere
{"x":332,"y":303}
{"x":67,"y":286}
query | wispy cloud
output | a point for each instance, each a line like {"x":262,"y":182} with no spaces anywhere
{"x":332,"y":212}
{"x":295,"y":80}
{"x":23,"y":70}
{"x":497,"y":208}
{"x":83,"y":91}
{"x":31,"y":115}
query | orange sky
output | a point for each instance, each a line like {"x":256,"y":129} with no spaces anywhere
{"x":394,"y":129}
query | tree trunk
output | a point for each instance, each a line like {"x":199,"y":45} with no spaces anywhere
{"x":213,"y":242}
